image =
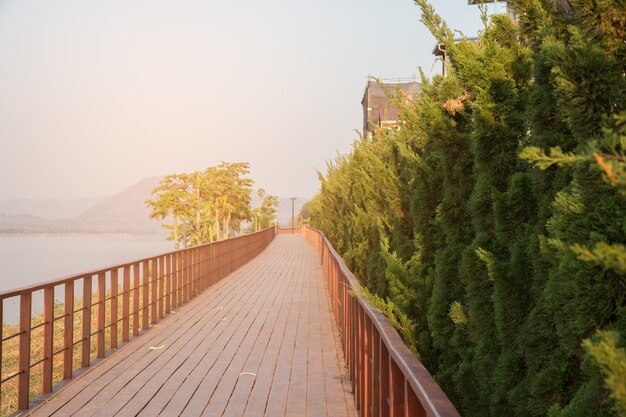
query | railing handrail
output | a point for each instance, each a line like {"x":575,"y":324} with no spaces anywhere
{"x":432,"y":398}
{"x":58,"y":281}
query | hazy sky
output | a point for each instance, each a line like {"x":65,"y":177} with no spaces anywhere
{"x":97,"y":95}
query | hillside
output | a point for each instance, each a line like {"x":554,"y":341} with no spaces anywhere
{"x":125,"y":212}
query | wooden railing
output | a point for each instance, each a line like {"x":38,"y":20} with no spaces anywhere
{"x":96,"y":310}
{"x":289,"y":230}
{"x":387,"y":378}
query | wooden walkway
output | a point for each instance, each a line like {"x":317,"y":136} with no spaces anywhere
{"x":261,"y":342}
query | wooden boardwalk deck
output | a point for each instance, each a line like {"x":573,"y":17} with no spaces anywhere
{"x":261,"y":342}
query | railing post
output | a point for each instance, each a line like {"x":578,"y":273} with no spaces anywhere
{"x":168,"y":282}
{"x":126,"y":305}
{"x":86,"y":344}
{"x":136,"y":286}
{"x":145,"y":285}
{"x":174,"y":277}
{"x":367,"y":366}
{"x":48,"y":329}
{"x":375,"y":386}
{"x":154,"y":265}
{"x":114,"y":307}
{"x":68,"y":331}
{"x":385,"y":396}
{"x":1,"y":343}
{"x":101,"y":315}
{"x":412,"y":406}
{"x":23,"y":392}
{"x":161,"y":281}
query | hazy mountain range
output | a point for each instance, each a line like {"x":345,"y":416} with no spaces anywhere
{"x":125,"y":212}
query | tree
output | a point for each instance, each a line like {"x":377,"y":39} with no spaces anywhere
{"x":171,"y":197}
{"x":205,"y":205}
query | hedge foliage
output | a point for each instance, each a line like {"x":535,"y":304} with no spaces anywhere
{"x":495,"y":217}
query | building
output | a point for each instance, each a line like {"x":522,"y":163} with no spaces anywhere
{"x":379,"y":109}
{"x":439,"y":50}
{"x":508,"y":11}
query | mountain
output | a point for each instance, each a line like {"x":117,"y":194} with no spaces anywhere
{"x":51,"y":209}
{"x":125,"y":212}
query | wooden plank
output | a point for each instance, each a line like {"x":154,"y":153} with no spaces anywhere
{"x":316,"y":371}
{"x":192,"y":395}
{"x":215,"y":390}
{"x":244,"y":400}
{"x":296,"y":395}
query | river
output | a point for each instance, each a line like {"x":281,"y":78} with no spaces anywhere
{"x":31,"y":259}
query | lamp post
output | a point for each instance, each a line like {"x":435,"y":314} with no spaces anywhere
{"x":293,"y":225}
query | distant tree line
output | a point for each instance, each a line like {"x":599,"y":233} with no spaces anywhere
{"x":210,"y":205}
{"x":492,"y":225}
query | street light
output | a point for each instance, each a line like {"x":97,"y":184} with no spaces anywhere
{"x":293,"y":224}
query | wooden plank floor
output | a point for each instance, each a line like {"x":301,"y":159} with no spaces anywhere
{"x":261,"y":342}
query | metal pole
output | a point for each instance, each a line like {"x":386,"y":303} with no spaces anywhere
{"x":293,"y":224}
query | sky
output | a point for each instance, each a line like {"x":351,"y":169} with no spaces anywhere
{"x":98,"y":95}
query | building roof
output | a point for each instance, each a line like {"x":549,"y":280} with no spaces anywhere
{"x":375,"y":90}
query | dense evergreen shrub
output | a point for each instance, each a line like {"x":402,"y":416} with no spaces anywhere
{"x":494,"y":219}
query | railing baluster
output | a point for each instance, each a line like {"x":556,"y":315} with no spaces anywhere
{"x":24,"y":358}
{"x":68,"y":331}
{"x":48,"y":330}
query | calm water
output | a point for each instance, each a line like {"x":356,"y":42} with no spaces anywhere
{"x":28,"y":260}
